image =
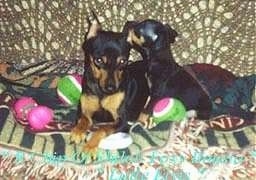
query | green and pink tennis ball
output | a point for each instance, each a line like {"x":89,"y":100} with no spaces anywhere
{"x":168,"y":109}
{"x":69,"y":89}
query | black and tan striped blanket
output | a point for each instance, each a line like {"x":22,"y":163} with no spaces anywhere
{"x":39,"y":81}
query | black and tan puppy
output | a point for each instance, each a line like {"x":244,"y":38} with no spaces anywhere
{"x":168,"y":79}
{"x":114,"y":92}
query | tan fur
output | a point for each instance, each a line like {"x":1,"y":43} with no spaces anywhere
{"x":103,"y":78}
{"x":89,"y":105}
{"x":144,"y":119}
{"x":118,"y":76}
{"x":112,"y":103}
{"x":92,"y":145}
{"x":95,"y":70}
{"x":100,"y":74}
{"x":105,"y":59}
{"x":93,"y":29}
{"x":132,"y":38}
{"x":118,"y":73}
{"x":78,"y":132}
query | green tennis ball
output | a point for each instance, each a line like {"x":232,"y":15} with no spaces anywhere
{"x":168,"y":109}
{"x":69,"y":89}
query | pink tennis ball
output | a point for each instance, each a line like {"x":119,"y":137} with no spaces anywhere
{"x":39,"y":117}
{"x":23,"y":106}
{"x":168,"y":109}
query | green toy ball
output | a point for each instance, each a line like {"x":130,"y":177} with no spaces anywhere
{"x":69,"y":89}
{"x":169,"y":109}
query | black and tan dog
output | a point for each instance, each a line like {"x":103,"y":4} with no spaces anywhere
{"x":168,"y":79}
{"x":114,"y":92}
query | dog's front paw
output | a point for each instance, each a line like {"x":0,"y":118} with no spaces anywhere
{"x":146,"y":121}
{"x":77,"y":135}
{"x":91,"y":149}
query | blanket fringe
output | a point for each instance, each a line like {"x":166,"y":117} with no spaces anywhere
{"x":181,"y":145}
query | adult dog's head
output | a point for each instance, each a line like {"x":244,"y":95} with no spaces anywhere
{"x":106,"y":56}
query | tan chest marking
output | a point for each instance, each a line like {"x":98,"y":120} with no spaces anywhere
{"x":89,"y":104}
{"x":112,"y":103}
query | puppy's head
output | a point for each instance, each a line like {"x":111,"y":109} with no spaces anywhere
{"x":106,"y":56}
{"x":149,"y":36}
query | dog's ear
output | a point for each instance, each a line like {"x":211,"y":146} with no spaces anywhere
{"x":94,"y":27}
{"x":172,"y":33}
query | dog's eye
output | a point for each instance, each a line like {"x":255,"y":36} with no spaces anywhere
{"x":122,"y":63}
{"x":99,"y":61}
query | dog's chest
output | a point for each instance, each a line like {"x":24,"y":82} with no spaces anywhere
{"x":104,"y":107}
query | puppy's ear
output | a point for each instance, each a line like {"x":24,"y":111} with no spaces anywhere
{"x":94,"y":27}
{"x":172,"y":33}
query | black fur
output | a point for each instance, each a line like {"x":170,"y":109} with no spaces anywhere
{"x":167,"y":78}
{"x":113,"y":45}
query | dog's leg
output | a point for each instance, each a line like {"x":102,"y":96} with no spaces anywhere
{"x":91,"y":146}
{"x":146,"y":120}
{"x":78,"y":132}
{"x":89,"y":104}
{"x":110,"y":103}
